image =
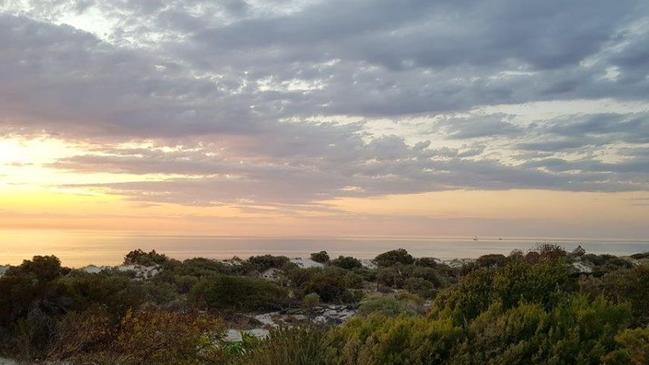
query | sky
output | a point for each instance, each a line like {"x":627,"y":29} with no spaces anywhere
{"x":326,"y":117}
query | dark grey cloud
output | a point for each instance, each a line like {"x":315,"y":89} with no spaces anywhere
{"x":577,"y":132}
{"x":228,"y":92}
{"x":475,"y":127}
{"x":631,"y":128}
{"x":417,"y":33}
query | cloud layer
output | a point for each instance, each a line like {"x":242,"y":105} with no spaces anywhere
{"x":292,"y":103}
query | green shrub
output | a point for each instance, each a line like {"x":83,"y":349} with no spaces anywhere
{"x":311,"y":299}
{"x":634,"y":348}
{"x":290,"y":346}
{"x":347,"y":263}
{"x":388,"y":306}
{"x":378,"y":339}
{"x":399,"y":256}
{"x":116,"y":292}
{"x":238,"y":293}
{"x":427,"y":262}
{"x":625,"y":286}
{"x":265,"y":262}
{"x":332,"y":284}
{"x":575,"y":331}
{"x":420,"y":286}
{"x":201,"y":267}
{"x":390,"y":276}
{"x":493,"y":260}
{"x":603,"y":264}
{"x":543,"y":283}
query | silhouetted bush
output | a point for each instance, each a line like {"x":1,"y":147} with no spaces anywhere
{"x":321,"y":257}
{"x":347,"y":262}
{"x":265,"y":262}
{"x":549,"y":251}
{"x":399,"y":256}
{"x":427,"y":262}
{"x":139,"y":257}
{"x":493,"y":260}
{"x":640,"y":256}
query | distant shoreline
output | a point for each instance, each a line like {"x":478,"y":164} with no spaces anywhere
{"x":78,"y":250}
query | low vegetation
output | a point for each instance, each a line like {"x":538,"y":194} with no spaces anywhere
{"x":546,"y":306}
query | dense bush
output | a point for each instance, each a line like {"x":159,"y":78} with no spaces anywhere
{"x":634,"y":348}
{"x":520,"y":309}
{"x":295,"y":346}
{"x":237,"y":293}
{"x":408,"y":339}
{"x":32,"y":284}
{"x":624,"y":286}
{"x":331,"y":284}
{"x":117,"y":293}
{"x":347,"y":262}
{"x":511,"y":318}
{"x":493,"y":260}
{"x":420,"y":286}
{"x":147,"y":336}
{"x":265,"y":262}
{"x":603,"y":264}
{"x":421,"y":280}
{"x":200,"y":267}
{"x":391,"y":306}
{"x":290,"y":346}
{"x":544,"y":283}
{"x":575,"y":331}
{"x":399,"y":256}
{"x":427,"y":262}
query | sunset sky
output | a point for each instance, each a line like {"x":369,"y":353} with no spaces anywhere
{"x":326,"y":117}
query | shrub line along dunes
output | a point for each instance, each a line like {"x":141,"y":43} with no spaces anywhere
{"x":546,"y":306}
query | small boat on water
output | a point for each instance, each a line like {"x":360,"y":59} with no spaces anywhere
{"x":475,"y":238}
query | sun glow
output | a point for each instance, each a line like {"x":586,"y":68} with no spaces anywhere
{"x":36,"y":193}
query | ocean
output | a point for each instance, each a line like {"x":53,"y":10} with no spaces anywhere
{"x":80,"y":248}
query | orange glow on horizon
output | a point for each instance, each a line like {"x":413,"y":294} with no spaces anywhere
{"x":35,"y":195}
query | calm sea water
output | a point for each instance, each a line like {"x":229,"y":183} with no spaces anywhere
{"x":79,"y":248}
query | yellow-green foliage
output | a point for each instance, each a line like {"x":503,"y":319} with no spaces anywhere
{"x":290,"y":346}
{"x":401,"y":340}
{"x":522,"y":310}
{"x":634,"y":348}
